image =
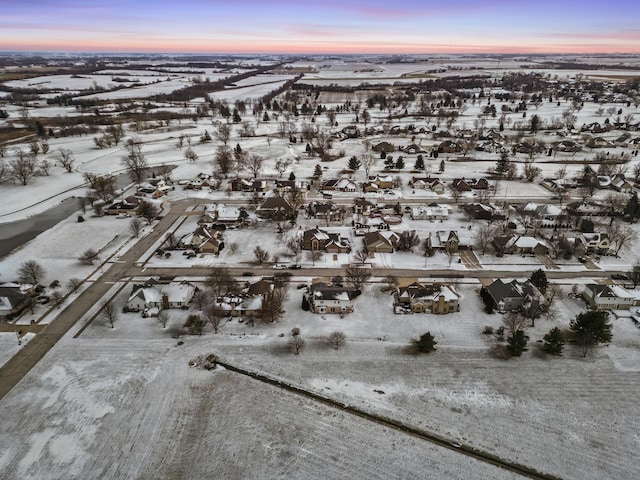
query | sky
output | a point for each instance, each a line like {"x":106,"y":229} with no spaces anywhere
{"x":325,"y":26}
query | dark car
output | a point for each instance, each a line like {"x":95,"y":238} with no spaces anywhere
{"x":619,"y":276}
{"x":582,"y":260}
{"x":295,"y":267}
{"x":248,"y":274}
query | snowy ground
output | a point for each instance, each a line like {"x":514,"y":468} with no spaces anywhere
{"x":128,"y":392}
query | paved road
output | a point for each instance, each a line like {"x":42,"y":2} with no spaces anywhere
{"x":26,"y":358}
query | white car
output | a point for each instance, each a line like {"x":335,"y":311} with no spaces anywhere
{"x":280,"y":266}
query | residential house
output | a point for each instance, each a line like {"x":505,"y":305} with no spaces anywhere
{"x":420,"y":298}
{"x":381,"y":241}
{"x":362,"y":206}
{"x":276,"y":209}
{"x":286,"y":187}
{"x":599,"y":142}
{"x":160,"y":296}
{"x":521,"y":245}
{"x":427,"y":183}
{"x":598,"y":243}
{"x":330,"y":298}
{"x":513,"y":295}
{"x":483,"y":211}
{"x":320,"y":240}
{"x":203,"y":239}
{"x":608,"y":297}
{"x":413,"y":149}
{"x":382,"y":181}
{"x":129,"y":205}
{"x":620,"y":184}
{"x":13,"y":299}
{"x":248,"y":185}
{"x":340,"y":185}
{"x":383,"y":147}
{"x":450,"y":240}
{"x":450,"y":146}
{"x":329,"y":212}
{"x":430,"y":212}
{"x":468,"y":184}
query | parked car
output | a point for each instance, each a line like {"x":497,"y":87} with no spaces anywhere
{"x":248,"y":274}
{"x":295,"y":267}
{"x":582,"y":260}
{"x":280,"y":266}
{"x":619,"y":276}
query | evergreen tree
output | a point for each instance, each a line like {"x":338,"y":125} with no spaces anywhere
{"x":419,"y":165}
{"x":354,"y":163}
{"x":553,"y":341}
{"x":400,"y":163}
{"x":591,"y":328}
{"x":517,"y":343}
{"x":632,"y":210}
{"x":426,"y":343}
{"x":441,"y":169}
{"x":539,"y":280}
{"x":317,"y":172}
{"x":503,"y":163}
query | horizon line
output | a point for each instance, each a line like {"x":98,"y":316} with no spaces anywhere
{"x":302,"y":54}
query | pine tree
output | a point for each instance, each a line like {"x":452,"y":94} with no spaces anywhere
{"x":441,"y":169}
{"x":503,"y":163}
{"x":553,"y":342}
{"x":317,"y":172}
{"x":517,"y":343}
{"x":400,"y":163}
{"x":426,"y":343}
{"x":419,"y":165}
{"x":539,"y":280}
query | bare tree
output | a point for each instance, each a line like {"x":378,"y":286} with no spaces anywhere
{"x":261,"y":255}
{"x":357,"y":276}
{"x":273,"y":302}
{"x":215,"y":317}
{"x":73,"y":284}
{"x":148,"y":211}
{"x":191,"y":155}
{"x":361,"y":256}
{"x":408,"y":239}
{"x":31,"y":272}
{"x":23,"y":168}
{"x":483,"y":236}
{"x":314,"y":255}
{"x":294,"y":244}
{"x":66,"y":158}
{"x":621,"y":237}
{"x":224,"y":160}
{"x":220,"y":281}
{"x":337,"y":339}
{"x":135,"y":226}
{"x":282,"y":165}
{"x":368,"y":161}
{"x":109,"y":312}
{"x":135,"y":161}
{"x":163,"y":318}
{"x":513,"y":321}
{"x":56,"y":298}
{"x":254,"y":164}
{"x":616,"y":203}
{"x":222,"y":133}
{"x":89,"y":256}
{"x":296,"y":344}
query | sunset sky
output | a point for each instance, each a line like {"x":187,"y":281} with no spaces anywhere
{"x":328,"y":26}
